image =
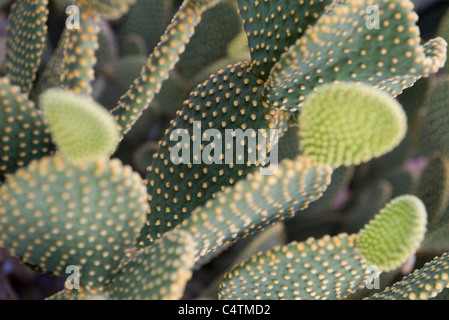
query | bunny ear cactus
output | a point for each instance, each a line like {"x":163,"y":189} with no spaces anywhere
{"x":319,"y":77}
{"x":395,"y":233}
{"x":79,"y":53}
{"x":59,"y":204}
{"x":24,"y":136}
{"x":82,"y":129}
{"x":423,"y":284}
{"x":321,"y":269}
{"x":25,"y":42}
{"x":159,"y":272}
{"x":436,"y":117}
{"x":272,"y":27}
{"x":343,"y":124}
{"x":160,"y":63}
{"x":209,"y":107}
{"x":314,"y":59}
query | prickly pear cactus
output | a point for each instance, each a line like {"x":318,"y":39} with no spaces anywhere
{"x":149,"y":140}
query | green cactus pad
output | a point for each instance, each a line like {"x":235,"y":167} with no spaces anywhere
{"x":160,"y":63}
{"x":436,"y":118}
{"x":340,"y":47}
{"x":230,"y":99}
{"x":327,"y":268}
{"x":443,"y":30}
{"x":437,"y":237}
{"x":82,"y":128}
{"x":255,"y":203}
{"x":25,"y":41}
{"x":109,"y":9}
{"x":433,"y":188}
{"x":394,"y":234}
{"x":346,"y":124}
{"x":54,"y":214}
{"x":24,"y":136}
{"x":423,"y":284}
{"x":262,"y":241}
{"x":273,"y":26}
{"x":79,"y":53}
{"x":159,"y":272}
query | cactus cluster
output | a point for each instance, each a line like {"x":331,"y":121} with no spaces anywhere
{"x":346,"y":183}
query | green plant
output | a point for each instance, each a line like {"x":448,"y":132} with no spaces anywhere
{"x":318,"y":75}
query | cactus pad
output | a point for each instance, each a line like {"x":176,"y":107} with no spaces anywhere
{"x":54,"y":214}
{"x":82,"y":128}
{"x":394,"y":234}
{"x":345,"y":124}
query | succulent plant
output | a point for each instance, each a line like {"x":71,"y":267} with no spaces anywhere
{"x":335,"y":144}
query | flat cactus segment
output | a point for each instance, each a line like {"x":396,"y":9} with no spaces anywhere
{"x":340,"y":47}
{"x":158,"y":272}
{"x":230,"y":100}
{"x":435,"y":51}
{"x":324,"y":269}
{"x":273,"y":26}
{"x":433,"y":188}
{"x":25,"y":41}
{"x":346,"y":124}
{"x":396,"y":232}
{"x":55,"y":214}
{"x":79,"y":53}
{"x":24,"y":136}
{"x":423,"y":284}
{"x":443,"y":31}
{"x":255,"y":203}
{"x":436,"y":117}
{"x":109,"y":9}
{"x":160,"y":63}
{"x":82,"y":129}
{"x":436,"y":239}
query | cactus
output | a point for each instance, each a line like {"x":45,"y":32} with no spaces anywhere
{"x":25,"y":42}
{"x":102,"y":170}
{"x":79,"y":53}
{"x":350,"y":142}
{"x":82,"y":129}
{"x":377,"y":240}
{"x":425,"y":283}
{"x":318,"y":269}
{"x":24,"y":134}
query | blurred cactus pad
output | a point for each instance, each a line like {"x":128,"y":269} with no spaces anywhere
{"x":224,"y":149}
